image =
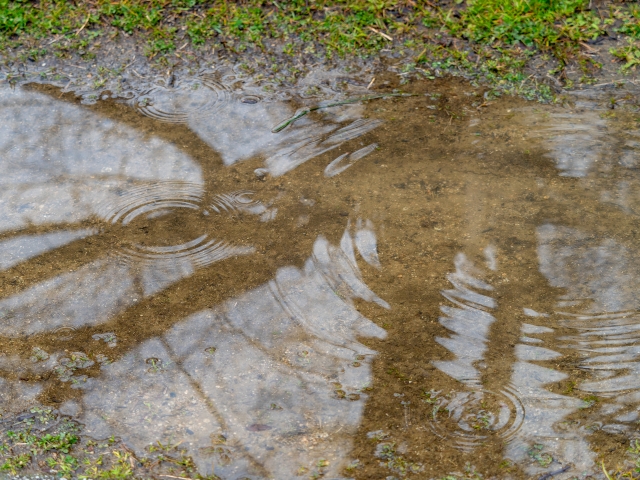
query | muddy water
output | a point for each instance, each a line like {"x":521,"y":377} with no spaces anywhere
{"x":417,"y":286}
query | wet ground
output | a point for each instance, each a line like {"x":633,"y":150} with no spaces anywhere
{"x":430,"y":285}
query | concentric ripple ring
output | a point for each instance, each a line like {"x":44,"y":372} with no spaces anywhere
{"x":191,"y":98}
{"x":155,"y":200}
{"x":473,"y":416}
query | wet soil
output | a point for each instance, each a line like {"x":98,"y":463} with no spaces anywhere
{"x":407,"y":286}
{"x":92,"y":65}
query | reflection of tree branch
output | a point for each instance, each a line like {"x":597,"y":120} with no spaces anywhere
{"x":207,"y":401}
{"x":594,"y":216}
{"x":177,"y":135}
{"x":53,"y":263}
{"x":523,"y":287}
{"x":148,"y":319}
{"x":154,"y":316}
{"x":49,"y":228}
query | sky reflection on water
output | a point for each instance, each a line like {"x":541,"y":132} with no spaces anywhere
{"x":220,"y":286}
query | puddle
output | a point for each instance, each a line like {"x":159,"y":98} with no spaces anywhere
{"x":405,"y":286}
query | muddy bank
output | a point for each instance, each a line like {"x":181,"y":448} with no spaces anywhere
{"x":93,"y":48}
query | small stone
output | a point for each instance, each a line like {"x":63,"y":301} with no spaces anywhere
{"x":261,"y":173}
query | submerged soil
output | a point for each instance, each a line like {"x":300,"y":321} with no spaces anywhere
{"x":436,"y":284}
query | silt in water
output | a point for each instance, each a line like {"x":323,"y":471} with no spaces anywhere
{"x":406,"y":286}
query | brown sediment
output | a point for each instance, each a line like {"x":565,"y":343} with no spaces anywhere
{"x":437,"y":189}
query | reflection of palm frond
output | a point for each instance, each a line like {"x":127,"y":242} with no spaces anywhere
{"x":287,"y":343}
{"x":101,"y":183}
{"x":288,"y":158}
{"x":469,"y":321}
{"x":600,"y":309}
{"x":525,"y":410}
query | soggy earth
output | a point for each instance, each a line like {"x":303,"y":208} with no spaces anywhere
{"x":320,"y":281}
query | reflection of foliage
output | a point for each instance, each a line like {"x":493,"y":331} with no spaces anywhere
{"x":589,"y":401}
{"x":394,"y":462}
{"x":38,"y":355}
{"x":544,"y":459}
{"x":68,"y":366}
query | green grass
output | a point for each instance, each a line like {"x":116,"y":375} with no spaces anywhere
{"x":545,"y":24}
{"x":62,"y":442}
{"x":67,"y":453}
{"x":495,"y":39}
{"x":629,"y":54}
{"x":16,"y":462}
{"x":337,"y":26}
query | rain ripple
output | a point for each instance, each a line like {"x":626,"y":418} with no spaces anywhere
{"x":162,"y":198}
{"x":519,"y":410}
{"x":474,"y":413}
{"x":600,"y":311}
{"x":277,"y":366}
{"x":185,"y":99}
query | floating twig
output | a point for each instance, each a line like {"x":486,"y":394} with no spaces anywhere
{"x":304,"y":111}
{"x":547,"y":476}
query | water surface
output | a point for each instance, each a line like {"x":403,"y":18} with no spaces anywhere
{"x":418,"y":286}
